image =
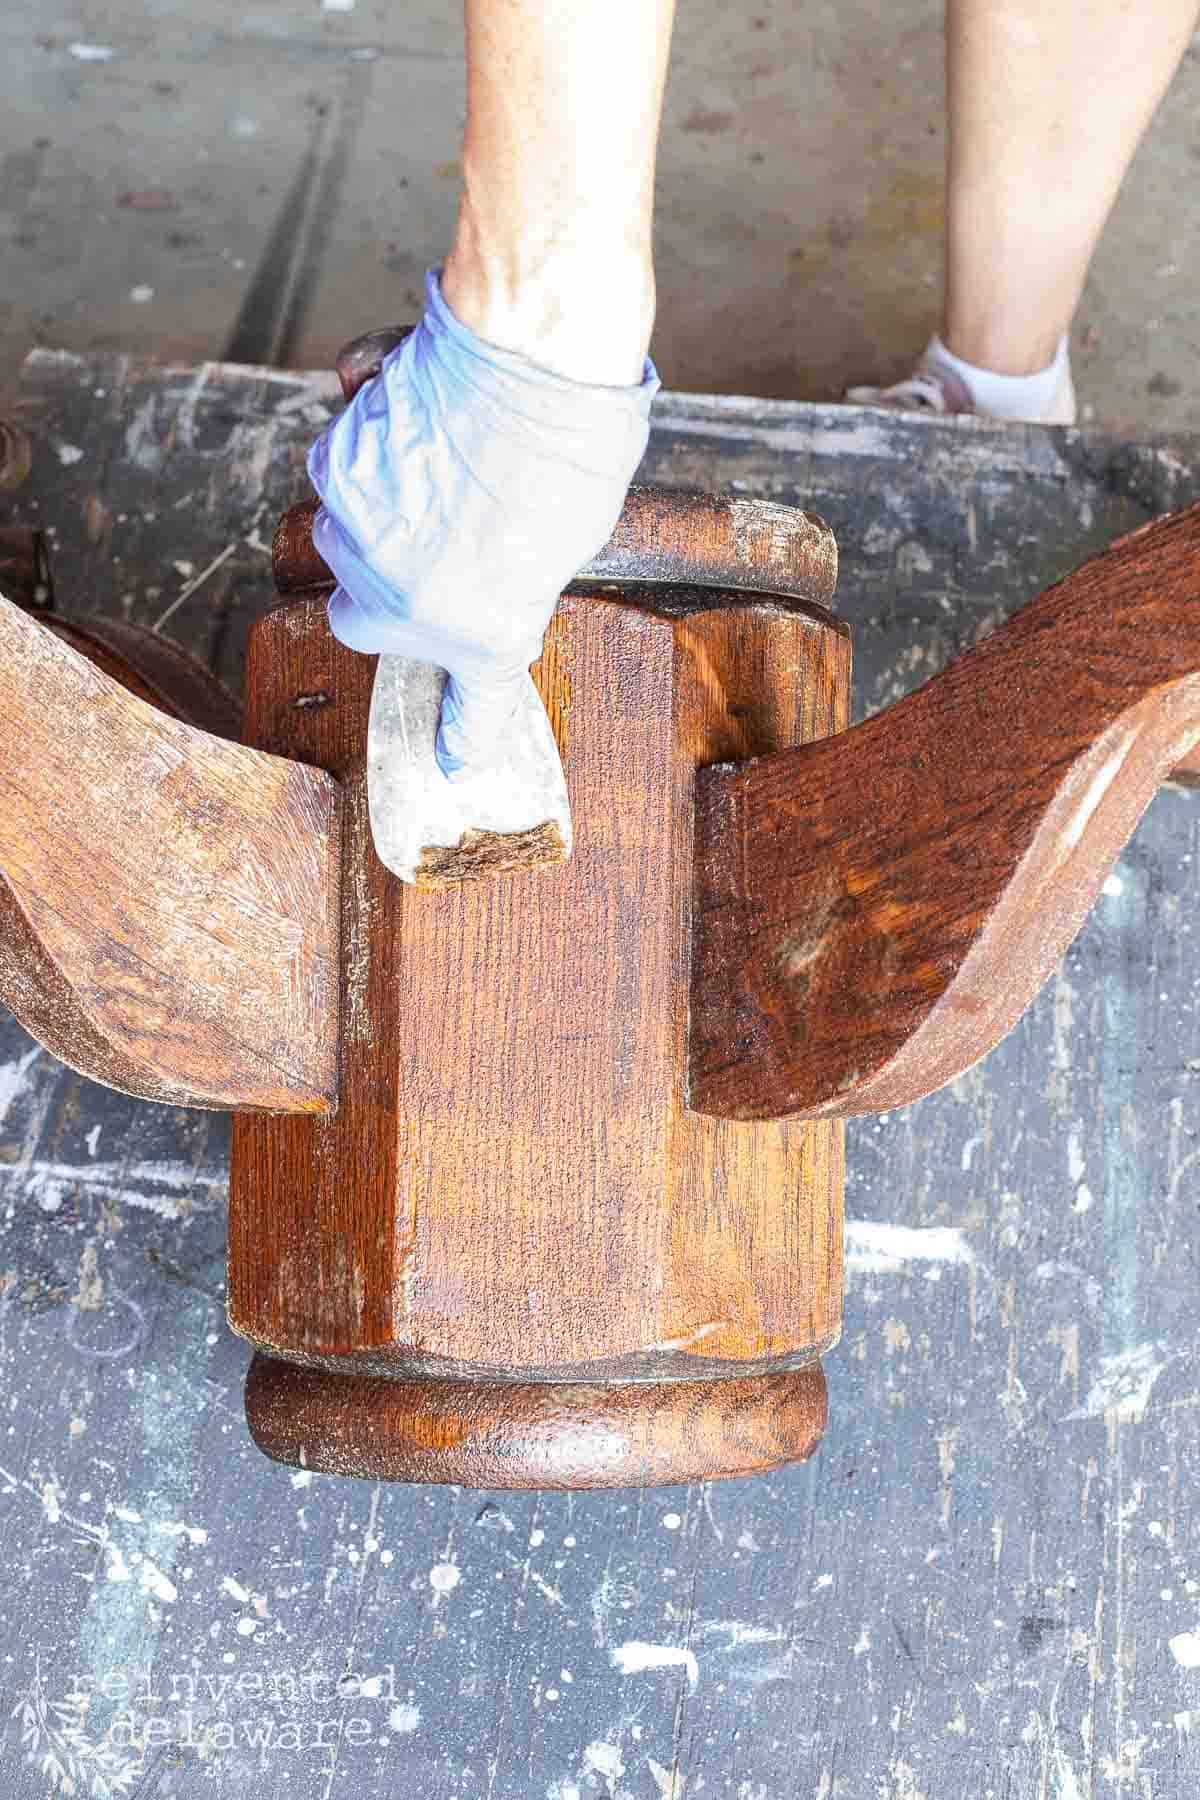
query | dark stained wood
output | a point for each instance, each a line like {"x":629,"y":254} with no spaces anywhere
{"x":548,"y":1434}
{"x":25,"y":576}
{"x":663,"y":536}
{"x":512,"y":1185}
{"x":363,"y":356}
{"x":874,"y":913}
{"x":156,"y":669}
{"x":168,"y":901}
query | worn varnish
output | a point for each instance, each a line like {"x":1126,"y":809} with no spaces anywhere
{"x":168,"y":899}
{"x":874,"y":913}
{"x":512,"y":1186}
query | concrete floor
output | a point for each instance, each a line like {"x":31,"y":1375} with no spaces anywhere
{"x":161,"y":161}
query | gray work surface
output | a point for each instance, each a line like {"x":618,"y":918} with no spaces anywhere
{"x":986,"y":1584}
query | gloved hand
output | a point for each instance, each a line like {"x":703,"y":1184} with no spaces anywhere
{"x":462,"y":490}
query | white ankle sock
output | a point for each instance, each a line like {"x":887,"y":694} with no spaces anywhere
{"x":1005,"y":396}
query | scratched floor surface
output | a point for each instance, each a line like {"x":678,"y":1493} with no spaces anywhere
{"x":986,"y":1586}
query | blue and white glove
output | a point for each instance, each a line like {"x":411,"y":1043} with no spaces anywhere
{"x":462,"y":490}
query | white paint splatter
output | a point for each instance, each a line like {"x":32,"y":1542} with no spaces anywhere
{"x":156,"y":1583}
{"x":49,"y":1183}
{"x":302,"y":1478}
{"x":118,"y":1568}
{"x":127,"y":1515}
{"x":878,"y":1249}
{"x":12,"y":1079}
{"x":1113,"y":886}
{"x":669,"y":1781}
{"x":604,"y":1760}
{"x":403,"y":1719}
{"x":1124,"y":1383}
{"x":634,"y":1657}
{"x":235,"y":1590}
{"x":68,"y":454}
{"x":671,"y":1521}
{"x":444,"y":1577}
{"x":736,"y":1632}
{"x":91,"y":52}
{"x":141,"y":295}
{"x":93,"y":1138}
{"x":195,"y":1534}
{"x":1185,"y":1648}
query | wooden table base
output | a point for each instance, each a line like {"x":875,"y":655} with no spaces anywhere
{"x":514,"y":1255}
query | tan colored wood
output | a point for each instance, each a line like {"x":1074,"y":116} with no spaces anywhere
{"x":168,"y":902}
{"x":874,"y":913}
{"x":512,"y":1186}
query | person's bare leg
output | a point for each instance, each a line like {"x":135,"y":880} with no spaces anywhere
{"x":1048,"y":100}
{"x":552,"y":255}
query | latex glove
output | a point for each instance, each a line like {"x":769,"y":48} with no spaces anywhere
{"x":462,"y":490}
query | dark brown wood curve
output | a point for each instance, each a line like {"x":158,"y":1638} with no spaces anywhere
{"x":514,"y":1434}
{"x":873,"y":912}
{"x":663,"y":536}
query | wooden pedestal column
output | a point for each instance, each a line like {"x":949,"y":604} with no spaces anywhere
{"x":513,"y":1256}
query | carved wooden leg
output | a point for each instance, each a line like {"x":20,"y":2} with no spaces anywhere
{"x":873,"y":914}
{"x":513,"y":1257}
{"x":167,"y":903}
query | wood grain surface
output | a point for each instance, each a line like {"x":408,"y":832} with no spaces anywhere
{"x":512,"y":1185}
{"x":875,"y":912}
{"x":167,"y":907}
{"x":542,"y":1434}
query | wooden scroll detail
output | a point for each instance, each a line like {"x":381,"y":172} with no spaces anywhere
{"x":168,"y":901}
{"x":875,"y":911}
